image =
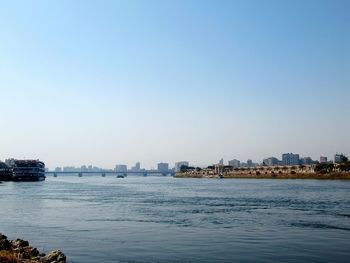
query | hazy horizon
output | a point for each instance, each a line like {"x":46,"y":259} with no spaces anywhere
{"x":114,"y":82}
{"x":154,"y":164}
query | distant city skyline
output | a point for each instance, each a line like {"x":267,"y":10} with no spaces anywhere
{"x":91,"y":82}
{"x":154,"y":165}
{"x":284,"y":159}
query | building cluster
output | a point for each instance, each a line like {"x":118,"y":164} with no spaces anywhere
{"x":161,"y":167}
{"x":238,"y":164}
{"x":123,"y":168}
{"x":287,"y":159}
{"x":83,"y":168}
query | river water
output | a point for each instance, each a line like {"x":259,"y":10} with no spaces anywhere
{"x":163,"y":219}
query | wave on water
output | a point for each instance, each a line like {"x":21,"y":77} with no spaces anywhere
{"x":318,"y":226}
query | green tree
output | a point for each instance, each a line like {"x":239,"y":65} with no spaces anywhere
{"x":324,"y":168}
{"x":345,"y":167}
{"x":344,"y":159}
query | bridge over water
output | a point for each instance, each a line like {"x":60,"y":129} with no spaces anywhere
{"x":104,"y":173}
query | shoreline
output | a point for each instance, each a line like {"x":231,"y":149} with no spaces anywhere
{"x":19,"y":251}
{"x":317,"y":176}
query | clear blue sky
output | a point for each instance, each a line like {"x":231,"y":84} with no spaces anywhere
{"x":107,"y":82}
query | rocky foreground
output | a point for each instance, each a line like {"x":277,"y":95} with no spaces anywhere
{"x":19,"y":251}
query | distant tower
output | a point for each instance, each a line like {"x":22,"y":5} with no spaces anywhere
{"x":221,"y":161}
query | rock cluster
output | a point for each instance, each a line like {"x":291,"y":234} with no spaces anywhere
{"x":19,"y":251}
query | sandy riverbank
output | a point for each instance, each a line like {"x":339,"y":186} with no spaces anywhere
{"x":327,"y":176}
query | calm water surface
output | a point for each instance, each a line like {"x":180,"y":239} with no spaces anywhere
{"x":161,"y":219}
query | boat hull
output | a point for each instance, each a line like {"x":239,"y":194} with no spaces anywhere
{"x":28,"y":178}
{"x":5,"y":175}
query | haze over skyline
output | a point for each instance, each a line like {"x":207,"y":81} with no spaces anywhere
{"x":107,"y":82}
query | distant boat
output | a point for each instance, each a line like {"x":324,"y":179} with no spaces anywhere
{"x":28,"y":170}
{"x":120,"y":176}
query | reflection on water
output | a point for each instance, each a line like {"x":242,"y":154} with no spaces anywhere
{"x":138,"y":219}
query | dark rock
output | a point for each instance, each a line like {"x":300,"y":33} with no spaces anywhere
{"x":21,"y":250}
{"x":4,"y":243}
{"x":26,"y":255}
{"x":18,"y":250}
{"x":56,"y":256}
{"x":34,"y":252}
{"x":19,"y":243}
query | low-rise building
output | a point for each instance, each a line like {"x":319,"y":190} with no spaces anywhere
{"x":234,"y":163}
{"x":137,"y":167}
{"x":121,"y":168}
{"x":163,"y":167}
{"x":249,"y":163}
{"x":323,"y":159}
{"x":290,"y":159}
{"x":306,"y":161}
{"x":179,"y":164}
{"x":271,"y":161}
{"x":339,"y":158}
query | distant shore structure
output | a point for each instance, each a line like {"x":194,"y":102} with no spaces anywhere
{"x":163,"y":168}
{"x":178,"y":165}
{"x":291,"y":166}
{"x":315,"y":171}
{"x":22,"y":170}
